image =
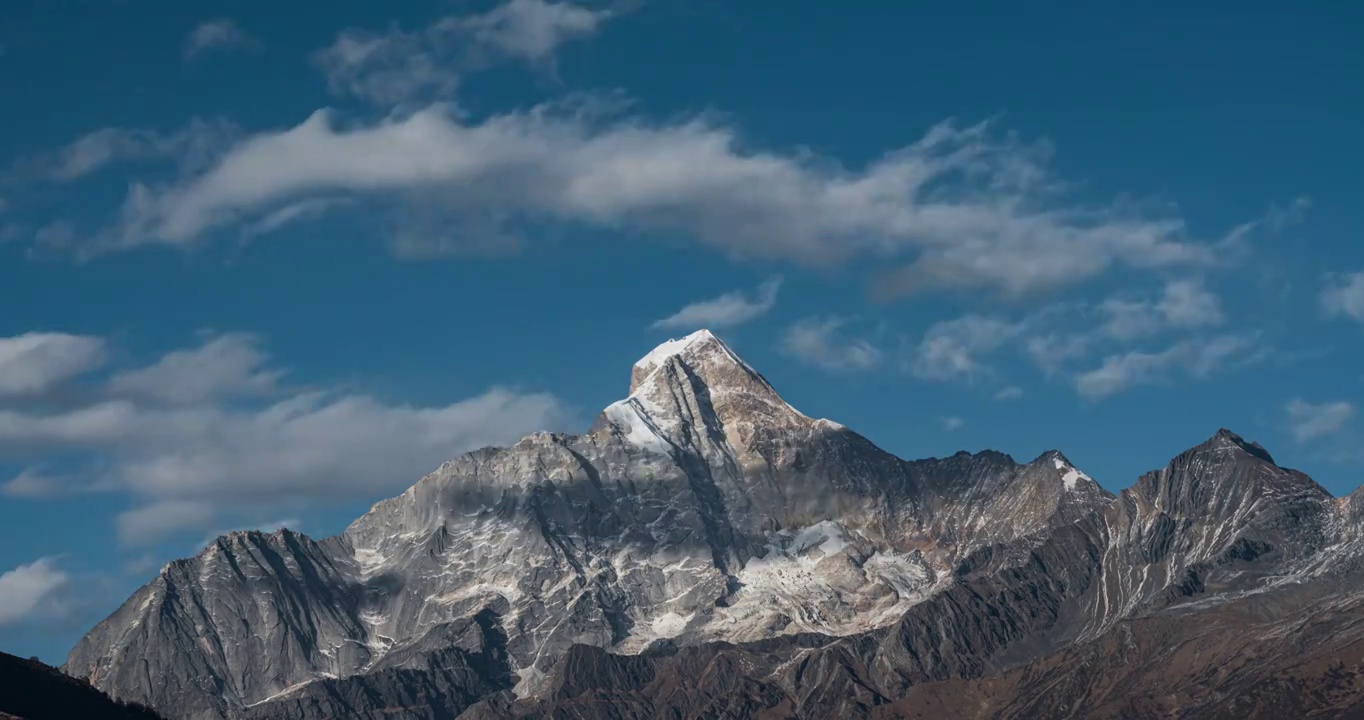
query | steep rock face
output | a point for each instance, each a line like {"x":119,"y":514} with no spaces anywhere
{"x":466,"y":662}
{"x":212,"y":632}
{"x":1219,"y":520}
{"x":701,"y":507}
{"x":1218,"y":587}
{"x":707,"y":550}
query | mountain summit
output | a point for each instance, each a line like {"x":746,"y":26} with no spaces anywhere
{"x":706,"y":355}
{"x":707,"y":550}
{"x":697,"y":383}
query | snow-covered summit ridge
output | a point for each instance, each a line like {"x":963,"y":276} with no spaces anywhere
{"x":675,"y":346}
{"x":701,"y":351}
{"x":699,"y":370}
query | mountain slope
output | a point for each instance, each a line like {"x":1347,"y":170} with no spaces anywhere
{"x":1226,"y":614}
{"x":705,"y":536}
{"x":30,"y":690}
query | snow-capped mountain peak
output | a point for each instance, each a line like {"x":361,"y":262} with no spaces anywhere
{"x":700,"y":509}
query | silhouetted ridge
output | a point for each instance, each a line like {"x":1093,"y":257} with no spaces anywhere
{"x":34,"y":691}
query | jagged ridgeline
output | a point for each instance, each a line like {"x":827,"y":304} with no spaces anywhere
{"x":706,"y":550}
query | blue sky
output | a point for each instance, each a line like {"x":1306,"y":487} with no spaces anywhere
{"x":262,"y":268}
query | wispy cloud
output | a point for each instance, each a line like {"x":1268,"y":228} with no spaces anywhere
{"x":191,"y":148}
{"x":1184,"y":304}
{"x":25,"y":589}
{"x":969,"y":203}
{"x":33,"y":483}
{"x":205,"y":430}
{"x":152,"y":522}
{"x":217,"y":35}
{"x":1053,"y":352}
{"x":728,"y":310}
{"x":954,"y":349}
{"x":952,"y":423}
{"x":1065,"y":338}
{"x":1309,"y":421}
{"x":1013,"y":392}
{"x":398,"y":67}
{"x":223,"y":366}
{"x":530,"y":29}
{"x":1196,"y":358}
{"x":32,"y":363}
{"x":1343,"y":295}
{"x":293,"y":213}
{"x":821,"y":342}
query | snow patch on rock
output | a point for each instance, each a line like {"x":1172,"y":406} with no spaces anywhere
{"x":1069,"y":475}
{"x":630,"y":418}
{"x":669,"y":625}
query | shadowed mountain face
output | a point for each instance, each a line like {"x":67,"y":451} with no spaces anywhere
{"x":706,"y":550}
{"x":30,"y":690}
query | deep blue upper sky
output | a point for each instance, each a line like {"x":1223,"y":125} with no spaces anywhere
{"x":948,"y":226}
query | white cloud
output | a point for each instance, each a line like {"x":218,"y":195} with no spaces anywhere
{"x":33,"y":483}
{"x":1275,"y":219}
{"x":220,"y":34}
{"x":952,"y":349}
{"x":95,"y":150}
{"x":952,"y":423}
{"x":1188,"y":304}
{"x":1197,"y":358}
{"x":1344,"y":295}
{"x":977,"y":212}
{"x":388,"y":68}
{"x":190,"y":455}
{"x":1053,"y":351}
{"x":33,"y":363}
{"x":728,"y":310}
{"x":152,"y":522}
{"x":1184,"y":304}
{"x":398,"y":67}
{"x":192,"y":148}
{"x":24,"y":589}
{"x":300,"y":211}
{"x":309,"y":445}
{"x":57,"y":235}
{"x":819,"y":342}
{"x":1060,"y":338}
{"x":225,"y":365}
{"x":1308,"y":421}
{"x":530,"y":29}
{"x":1013,"y":392}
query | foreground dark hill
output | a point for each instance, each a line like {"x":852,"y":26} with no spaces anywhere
{"x":706,"y":550}
{"x":31,"y":690}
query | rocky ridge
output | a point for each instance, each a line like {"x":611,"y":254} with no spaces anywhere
{"x":707,"y":550}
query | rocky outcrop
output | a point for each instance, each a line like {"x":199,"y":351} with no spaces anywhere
{"x":706,"y":550}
